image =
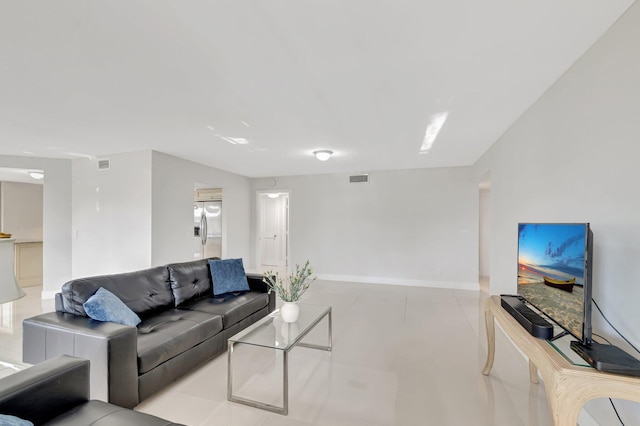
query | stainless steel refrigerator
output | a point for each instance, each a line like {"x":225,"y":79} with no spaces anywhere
{"x":207,"y":229}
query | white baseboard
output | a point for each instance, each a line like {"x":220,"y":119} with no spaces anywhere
{"x":452,"y":285}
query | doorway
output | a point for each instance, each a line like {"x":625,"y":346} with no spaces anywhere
{"x":273,"y":231}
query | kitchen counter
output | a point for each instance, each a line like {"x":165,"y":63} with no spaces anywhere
{"x":28,"y":262}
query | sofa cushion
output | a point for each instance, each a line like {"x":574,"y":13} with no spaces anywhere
{"x":228,"y":276}
{"x":169,"y":333}
{"x":104,"y":414}
{"x":105,"y":306}
{"x":144,"y":292}
{"x":189,"y":280}
{"x":232,"y":308}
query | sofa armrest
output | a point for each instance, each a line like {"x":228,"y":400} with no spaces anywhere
{"x":111,"y":348}
{"x":46,"y":390}
{"x":256,"y":284}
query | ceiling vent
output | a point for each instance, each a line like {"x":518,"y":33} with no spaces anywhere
{"x":104,"y":163}
{"x":359,"y":179}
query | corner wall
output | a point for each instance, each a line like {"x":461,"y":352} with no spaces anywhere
{"x":139,"y":214}
{"x":573,"y":157}
{"x":172,"y":213}
{"x":56,"y":226}
{"x":413,"y":227}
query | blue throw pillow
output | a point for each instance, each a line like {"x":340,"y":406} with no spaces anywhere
{"x":7,"y":420}
{"x":228,"y":276}
{"x":105,"y":306}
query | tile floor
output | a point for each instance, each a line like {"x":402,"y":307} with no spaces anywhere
{"x":401,"y":356}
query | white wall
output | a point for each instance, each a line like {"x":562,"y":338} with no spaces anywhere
{"x":574,"y":157}
{"x":172,"y":199}
{"x":139,"y":213}
{"x":21,"y":209}
{"x":112,"y":215}
{"x":56,"y":226}
{"x":416,"y":227}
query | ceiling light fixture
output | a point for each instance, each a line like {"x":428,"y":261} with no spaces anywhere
{"x":36,"y":174}
{"x":323,"y":154}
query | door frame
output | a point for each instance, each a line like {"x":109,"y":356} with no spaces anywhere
{"x":259,"y":194}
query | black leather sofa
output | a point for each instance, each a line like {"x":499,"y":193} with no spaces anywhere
{"x":182,"y":327}
{"x":56,"y":392}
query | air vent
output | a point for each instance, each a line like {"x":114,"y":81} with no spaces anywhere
{"x":359,"y":179}
{"x":104,"y":163}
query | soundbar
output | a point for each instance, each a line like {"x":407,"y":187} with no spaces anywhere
{"x":529,"y":319}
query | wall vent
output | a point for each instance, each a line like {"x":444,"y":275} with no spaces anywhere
{"x":104,"y":163}
{"x":359,"y":179}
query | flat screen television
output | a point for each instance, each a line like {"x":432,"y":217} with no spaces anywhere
{"x":554,"y":273}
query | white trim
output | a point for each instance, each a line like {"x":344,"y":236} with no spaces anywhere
{"x":453,"y":285}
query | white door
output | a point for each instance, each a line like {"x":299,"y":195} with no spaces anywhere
{"x":273,"y":231}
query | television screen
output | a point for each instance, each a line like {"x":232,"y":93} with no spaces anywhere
{"x":553,"y":273}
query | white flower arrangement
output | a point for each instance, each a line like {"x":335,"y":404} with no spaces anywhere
{"x":292,"y":287}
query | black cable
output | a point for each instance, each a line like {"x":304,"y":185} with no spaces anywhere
{"x":614,"y":409}
{"x":602,"y":337}
{"x":616,"y":330}
{"x":625,"y":339}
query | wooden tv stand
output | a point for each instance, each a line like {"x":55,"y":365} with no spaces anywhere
{"x":568,"y":386}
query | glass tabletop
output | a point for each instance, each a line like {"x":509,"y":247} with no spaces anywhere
{"x":562,"y":342}
{"x":563,"y":347}
{"x":272,"y":332}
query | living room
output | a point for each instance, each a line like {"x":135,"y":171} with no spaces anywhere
{"x":570,"y":157}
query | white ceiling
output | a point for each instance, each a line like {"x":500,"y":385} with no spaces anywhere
{"x":362,"y":78}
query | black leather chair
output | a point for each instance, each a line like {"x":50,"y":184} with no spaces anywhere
{"x":56,"y":392}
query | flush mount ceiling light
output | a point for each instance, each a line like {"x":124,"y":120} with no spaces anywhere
{"x":36,"y":174}
{"x":323,"y":154}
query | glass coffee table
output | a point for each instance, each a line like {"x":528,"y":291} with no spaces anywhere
{"x":273,"y":333}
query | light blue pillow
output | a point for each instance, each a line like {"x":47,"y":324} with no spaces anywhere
{"x":105,"y":306}
{"x":228,"y":276}
{"x":7,"y":420}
